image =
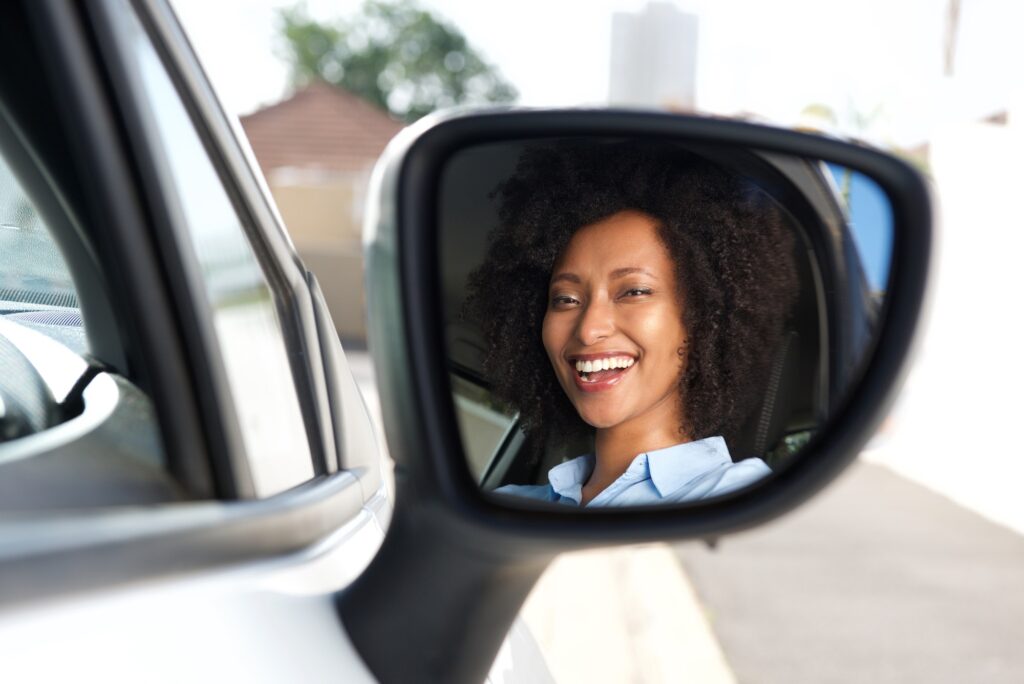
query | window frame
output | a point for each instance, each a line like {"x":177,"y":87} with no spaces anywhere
{"x":286,"y":277}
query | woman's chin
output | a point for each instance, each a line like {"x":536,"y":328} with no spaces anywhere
{"x":600,"y":420}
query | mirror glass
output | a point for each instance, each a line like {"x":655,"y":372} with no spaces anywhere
{"x":642,"y":322}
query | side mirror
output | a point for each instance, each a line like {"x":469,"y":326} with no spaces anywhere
{"x":718,"y":312}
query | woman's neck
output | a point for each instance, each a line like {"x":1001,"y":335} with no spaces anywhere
{"x":616,"y":447}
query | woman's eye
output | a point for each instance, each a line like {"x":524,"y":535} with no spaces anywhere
{"x":563,"y":300}
{"x":637,"y":292}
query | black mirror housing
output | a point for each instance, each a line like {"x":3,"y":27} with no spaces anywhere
{"x":440,"y":509}
{"x":407,"y":343}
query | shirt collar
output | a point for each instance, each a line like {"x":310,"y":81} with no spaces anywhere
{"x":669,"y":468}
{"x":567,"y":478}
{"x":675,"y":466}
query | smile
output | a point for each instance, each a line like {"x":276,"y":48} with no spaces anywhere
{"x":596,"y":374}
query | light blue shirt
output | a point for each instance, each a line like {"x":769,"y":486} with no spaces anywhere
{"x":684,"y":472}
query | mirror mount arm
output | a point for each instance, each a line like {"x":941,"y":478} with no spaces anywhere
{"x":428,"y":567}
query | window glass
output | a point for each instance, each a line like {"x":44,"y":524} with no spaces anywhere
{"x":33,"y":274}
{"x":483,"y":425}
{"x":870,"y":222}
{"x":241,"y":303}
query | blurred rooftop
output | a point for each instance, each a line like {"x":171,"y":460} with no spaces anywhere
{"x":320,"y":126}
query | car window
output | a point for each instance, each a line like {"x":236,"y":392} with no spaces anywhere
{"x":870,"y":222}
{"x":37,"y":294}
{"x":33,"y":273}
{"x":238,"y":298}
{"x":483,"y":425}
{"x":73,"y":433}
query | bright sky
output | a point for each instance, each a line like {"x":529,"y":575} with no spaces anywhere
{"x":772,"y":58}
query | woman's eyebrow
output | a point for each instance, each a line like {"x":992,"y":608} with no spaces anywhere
{"x":571,"y":277}
{"x":631,"y":270}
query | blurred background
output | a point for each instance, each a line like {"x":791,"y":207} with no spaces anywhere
{"x":909,"y":568}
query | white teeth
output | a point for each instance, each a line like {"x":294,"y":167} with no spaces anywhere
{"x":610,"y":363}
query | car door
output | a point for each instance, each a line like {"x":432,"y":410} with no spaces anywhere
{"x":208,"y":342}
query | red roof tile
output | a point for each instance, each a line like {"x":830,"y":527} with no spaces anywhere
{"x":321,"y":126}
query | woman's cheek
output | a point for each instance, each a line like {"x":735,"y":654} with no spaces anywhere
{"x":546,"y":334}
{"x":550,"y":339}
{"x":663,"y":333}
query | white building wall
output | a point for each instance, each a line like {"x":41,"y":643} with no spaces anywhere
{"x":654,"y":58}
{"x":956,"y":428}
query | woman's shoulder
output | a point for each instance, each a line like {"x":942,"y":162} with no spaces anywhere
{"x":542,"y":492}
{"x":741,"y":474}
{"x":702,"y":469}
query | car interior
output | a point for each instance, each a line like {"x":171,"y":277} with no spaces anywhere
{"x":77,"y":431}
{"x":804,"y":383}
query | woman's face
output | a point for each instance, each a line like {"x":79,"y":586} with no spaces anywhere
{"x":613,"y":328}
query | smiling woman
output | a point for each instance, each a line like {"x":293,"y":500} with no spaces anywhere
{"x":644,"y":295}
{"x":614,"y":335}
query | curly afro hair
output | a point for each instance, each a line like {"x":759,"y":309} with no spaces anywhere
{"x":735,"y":272}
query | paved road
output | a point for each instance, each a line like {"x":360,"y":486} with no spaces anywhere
{"x":877,"y":580}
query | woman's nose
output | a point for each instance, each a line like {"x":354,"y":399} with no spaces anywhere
{"x":596,"y":322}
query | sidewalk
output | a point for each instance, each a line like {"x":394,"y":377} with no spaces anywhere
{"x":878,"y":579}
{"x":625,"y":614}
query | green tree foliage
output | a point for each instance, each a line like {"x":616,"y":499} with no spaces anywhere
{"x":394,"y":54}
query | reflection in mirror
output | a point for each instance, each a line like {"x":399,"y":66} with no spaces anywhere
{"x":640,"y":323}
